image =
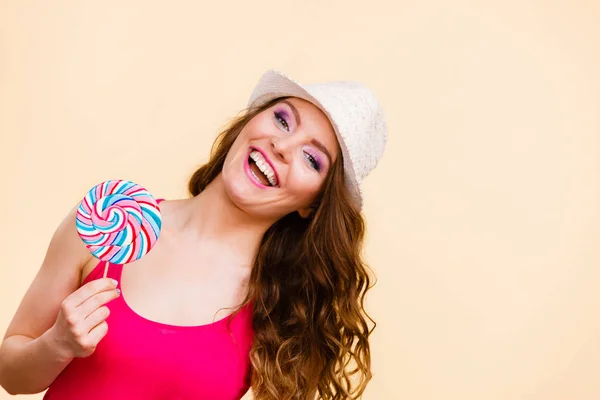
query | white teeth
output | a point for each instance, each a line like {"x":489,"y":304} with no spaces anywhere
{"x":264,"y":167}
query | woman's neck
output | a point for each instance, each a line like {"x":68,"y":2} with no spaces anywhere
{"x":212,"y":218}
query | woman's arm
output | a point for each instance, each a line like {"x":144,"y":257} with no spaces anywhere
{"x":32,"y":354}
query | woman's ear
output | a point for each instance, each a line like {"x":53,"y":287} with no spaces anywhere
{"x":305,"y":212}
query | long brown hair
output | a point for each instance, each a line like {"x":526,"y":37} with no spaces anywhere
{"x":307,"y":285}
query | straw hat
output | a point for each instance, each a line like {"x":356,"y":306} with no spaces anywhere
{"x":354,"y":112}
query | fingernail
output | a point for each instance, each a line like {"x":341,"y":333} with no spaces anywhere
{"x":118,"y":292}
{"x":115,"y":282}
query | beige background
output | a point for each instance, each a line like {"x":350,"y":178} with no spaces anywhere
{"x":483,"y":216}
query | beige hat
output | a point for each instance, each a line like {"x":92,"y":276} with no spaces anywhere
{"x":354,"y":112}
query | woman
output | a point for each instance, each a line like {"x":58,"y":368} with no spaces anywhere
{"x":272,"y":230}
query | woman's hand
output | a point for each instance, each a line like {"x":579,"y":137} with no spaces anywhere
{"x":81,"y":321}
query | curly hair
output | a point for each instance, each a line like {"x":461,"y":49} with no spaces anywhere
{"x":307,"y":284}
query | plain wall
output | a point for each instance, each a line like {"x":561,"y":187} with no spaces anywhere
{"x":483,"y":215}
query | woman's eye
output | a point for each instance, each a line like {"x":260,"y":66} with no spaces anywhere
{"x":313,"y":161}
{"x":281,"y":119}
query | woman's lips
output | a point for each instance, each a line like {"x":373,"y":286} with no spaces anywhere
{"x":251,"y":176}
{"x":267,"y":160}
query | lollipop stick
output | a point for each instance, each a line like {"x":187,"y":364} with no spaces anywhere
{"x":105,"y":269}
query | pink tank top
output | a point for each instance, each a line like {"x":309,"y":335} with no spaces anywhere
{"x":143,"y":359}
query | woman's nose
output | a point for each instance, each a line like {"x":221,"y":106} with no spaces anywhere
{"x":283,"y":148}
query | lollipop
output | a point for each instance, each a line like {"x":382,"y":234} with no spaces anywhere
{"x":119,"y":221}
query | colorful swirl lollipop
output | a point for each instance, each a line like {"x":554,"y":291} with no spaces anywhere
{"x":119,"y":221}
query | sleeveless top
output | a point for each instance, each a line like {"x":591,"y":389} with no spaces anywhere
{"x":143,"y":359}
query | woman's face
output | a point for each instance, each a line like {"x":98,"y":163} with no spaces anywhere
{"x":280,"y":159}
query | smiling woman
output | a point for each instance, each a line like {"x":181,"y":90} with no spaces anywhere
{"x":288,"y":157}
{"x":308,"y":281}
{"x":272,"y":230}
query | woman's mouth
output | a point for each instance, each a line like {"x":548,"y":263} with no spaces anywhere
{"x":260,"y":171}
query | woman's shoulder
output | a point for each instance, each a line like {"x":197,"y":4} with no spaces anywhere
{"x":174,"y":212}
{"x":57,"y":277}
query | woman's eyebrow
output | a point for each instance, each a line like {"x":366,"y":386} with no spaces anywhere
{"x":321,"y":147}
{"x":294,"y":110}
